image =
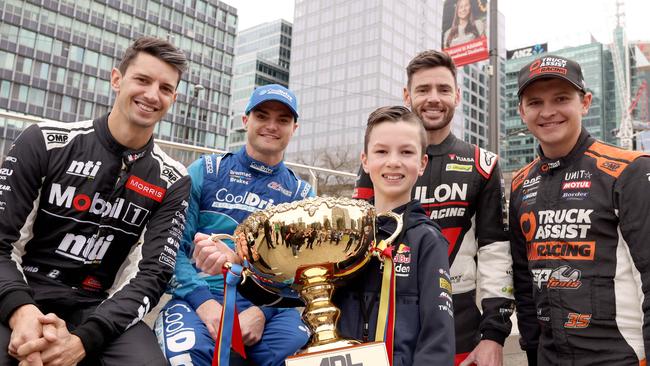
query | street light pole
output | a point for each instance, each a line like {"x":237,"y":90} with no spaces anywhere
{"x":195,"y":95}
{"x":493,"y":130}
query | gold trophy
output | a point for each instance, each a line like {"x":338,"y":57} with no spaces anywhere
{"x":302,"y":249}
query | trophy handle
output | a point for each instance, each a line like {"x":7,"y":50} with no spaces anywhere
{"x":241,"y":248}
{"x":400,"y":222}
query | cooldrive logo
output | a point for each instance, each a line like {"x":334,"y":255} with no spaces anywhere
{"x":86,"y":169}
{"x":247,"y":201}
{"x":562,"y":250}
{"x":81,"y":202}
{"x":84,"y":249}
{"x":442,"y":193}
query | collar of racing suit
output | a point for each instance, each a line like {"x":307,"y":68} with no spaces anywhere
{"x":257,"y":166}
{"x":108,"y":141}
{"x":444,"y":147}
{"x":584,"y":141}
{"x":413,"y":214}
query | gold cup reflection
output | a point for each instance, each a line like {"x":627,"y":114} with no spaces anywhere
{"x":303,"y":248}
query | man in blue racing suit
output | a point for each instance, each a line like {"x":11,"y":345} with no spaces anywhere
{"x":225,"y":190}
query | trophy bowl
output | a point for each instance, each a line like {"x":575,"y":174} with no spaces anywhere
{"x":303,"y":248}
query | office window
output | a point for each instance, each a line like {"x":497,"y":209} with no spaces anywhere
{"x":69,"y":105}
{"x":44,"y":43}
{"x":5,"y":87}
{"x":88,"y":83}
{"x":6,"y":60}
{"x":27,"y":38}
{"x":54,"y":100}
{"x":24,"y":65}
{"x":76,"y":54}
{"x":91,"y":58}
{"x":37,"y":97}
{"x":57,"y":74}
{"x":41,"y":70}
{"x":105,"y":62}
{"x":8,"y":32}
{"x":74,"y":79}
{"x":19,"y":93}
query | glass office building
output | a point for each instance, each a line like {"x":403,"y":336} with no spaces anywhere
{"x":56,"y":57}
{"x":262,"y":56}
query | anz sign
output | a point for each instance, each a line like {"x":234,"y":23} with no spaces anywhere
{"x":527,"y":51}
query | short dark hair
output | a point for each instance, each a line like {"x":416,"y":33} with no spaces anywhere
{"x":394,"y":114}
{"x":158,"y":48}
{"x":427,"y":60}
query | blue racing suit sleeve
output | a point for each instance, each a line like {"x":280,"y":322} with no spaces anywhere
{"x":188,"y":285}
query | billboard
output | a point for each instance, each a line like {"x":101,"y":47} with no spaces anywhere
{"x":533,"y":50}
{"x":464,"y":30}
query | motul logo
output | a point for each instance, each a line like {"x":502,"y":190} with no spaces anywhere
{"x":577,"y":184}
{"x":83,"y":202}
{"x":145,"y":189}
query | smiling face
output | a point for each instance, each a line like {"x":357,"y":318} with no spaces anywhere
{"x":553,"y":111}
{"x":463,"y":8}
{"x":269,"y":129}
{"x":144,"y":92}
{"x":433,"y":97}
{"x":394,"y":160}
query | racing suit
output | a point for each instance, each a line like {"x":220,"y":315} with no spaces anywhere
{"x":462,"y":191}
{"x":580,"y":229}
{"x":225,"y":190}
{"x":89,"y":229}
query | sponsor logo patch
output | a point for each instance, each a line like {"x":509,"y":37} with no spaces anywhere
{"x":583,"y":251}
{"x":145,"y":189}
{"x":577,"y":321}
{"x":580,"y":184}
{"x":458,"y":168}
{"x":86,"y":169}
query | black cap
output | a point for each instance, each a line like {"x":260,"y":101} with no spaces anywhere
{"x":550,"y":66}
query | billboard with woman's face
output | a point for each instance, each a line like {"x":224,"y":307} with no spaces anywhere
{"x":464,"y":36}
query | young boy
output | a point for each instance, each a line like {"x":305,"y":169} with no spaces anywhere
{"x":394,"y":158}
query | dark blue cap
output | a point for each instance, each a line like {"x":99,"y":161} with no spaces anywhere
{"x":274,"y":92}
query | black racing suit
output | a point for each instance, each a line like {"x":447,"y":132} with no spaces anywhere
{"x":88,"y":224}
{"x":462,"y":191}
{"x":580,"y":227}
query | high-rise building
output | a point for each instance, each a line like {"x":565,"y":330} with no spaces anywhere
{"x":56,"y":57}
{"x":602,"y":120}
{"x":349,"y":58}
{"x":262,"y":55}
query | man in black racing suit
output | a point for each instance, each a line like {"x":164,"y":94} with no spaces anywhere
{"x":462,"y":191}
{"x":580,"y":227}
{"x":92,"y":216}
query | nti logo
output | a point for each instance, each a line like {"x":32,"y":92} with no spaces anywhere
{"x":87,"y":170}
{"x":83,"y":249}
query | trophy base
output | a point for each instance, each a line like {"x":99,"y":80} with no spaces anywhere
{"x":350,"y":355}
{"x":339,"y":343}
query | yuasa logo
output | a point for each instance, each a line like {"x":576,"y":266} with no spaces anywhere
{"x":88,"y":169}
{"x":87,"y":250}
{"x":82,"y":202}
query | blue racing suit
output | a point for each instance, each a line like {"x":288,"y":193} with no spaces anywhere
{"x":225,"y":190}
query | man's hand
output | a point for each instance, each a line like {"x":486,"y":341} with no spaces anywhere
{"x":57,"y":346}
{"x":252,"y":323}
{"x":210,"y":314}
{"x":25,"y":327}
{"x":211,"y":255}
{"x":486,"y":353}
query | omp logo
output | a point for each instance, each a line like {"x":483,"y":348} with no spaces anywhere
{"x":248,"y":201}
{"x":576,"y":185}
{"x":442,"y":193}
{"x":82,"y":202}
{"x":88,"y":169}
{"x":56,"y":137}
{"x":584,"y":251}
{"x":83,"y":249}
{"x":170,"y":175}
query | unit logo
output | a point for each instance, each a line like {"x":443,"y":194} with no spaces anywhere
{"x":578,"y":175}
{"x":88,"y":169}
